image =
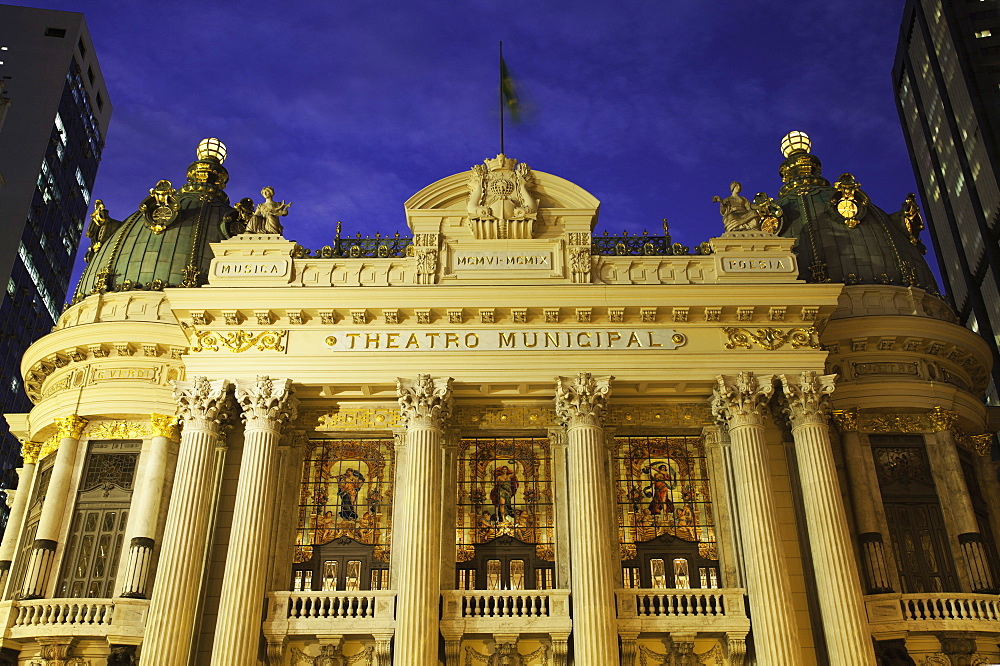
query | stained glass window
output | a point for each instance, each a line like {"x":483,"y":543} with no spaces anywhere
{"x":505,"y":488}
{"x":662,"y":489}
{"x":346,"y":491}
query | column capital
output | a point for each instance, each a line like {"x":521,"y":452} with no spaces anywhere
{"x":942,"y":419}
{"x":425,"y":401}
{"x":808,"y":397}
{"x":740,"y":400}
{"x":71,"y":426}
{"x":846,"y":419}
{"x":581,"y":400}
{"x":266,"y":402}
{"x":30,"y":451}
{"x":202,"y":400}
{"x":161,"y":425}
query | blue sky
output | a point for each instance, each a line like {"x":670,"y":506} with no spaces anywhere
{"x":347,"y":108}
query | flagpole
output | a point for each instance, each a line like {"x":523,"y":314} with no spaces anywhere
{"x":500,"y":91}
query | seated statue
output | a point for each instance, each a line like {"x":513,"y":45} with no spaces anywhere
{"x":737,"y":213}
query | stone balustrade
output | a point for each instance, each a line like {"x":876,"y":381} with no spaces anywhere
{"x":929,"y":612}
{"x":720,"y":610}
{"x":309,"y":613}
{"x":73,"y":617}
{"x":505,"y":612}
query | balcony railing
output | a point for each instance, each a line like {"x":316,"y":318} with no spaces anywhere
{"x":76,"y":617}
{"x":941,"y":611}
{"x":305,"y":613}
{"x":505,"y":611}
{"x":64,"y":612}
{"x":722,"y":610}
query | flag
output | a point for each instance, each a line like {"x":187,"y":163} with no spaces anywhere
{"x":508,"y":92}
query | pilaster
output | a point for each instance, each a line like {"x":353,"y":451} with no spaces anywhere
{"x":953,"y":492}
{"x":41,"y":560}
{"x":146,"y":505}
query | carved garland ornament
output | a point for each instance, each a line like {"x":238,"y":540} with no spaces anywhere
{"x":581,"y":400}
{"x":772,"y":339}
{"x":239,"y":341}
{"x":118,"y":430}
{"x":425,"y":401}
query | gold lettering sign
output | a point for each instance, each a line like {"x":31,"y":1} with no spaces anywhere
{"x":106,"y":374}
{"x":251,"y":268}
{"x":514,"y":339}
{"x":502,"y":260}
{"x":756,"y":264}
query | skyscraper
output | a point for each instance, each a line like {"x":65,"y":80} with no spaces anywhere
{"x":947,"y":84}
{"x":54,"y":116}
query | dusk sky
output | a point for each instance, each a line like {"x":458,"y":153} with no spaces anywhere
{"x":348,"y":108}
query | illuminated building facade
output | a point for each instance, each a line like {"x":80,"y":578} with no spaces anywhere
{"x":54,"y":113}
{"x":504,"y":440}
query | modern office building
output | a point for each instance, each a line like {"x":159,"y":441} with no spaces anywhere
{"x":947,"y":84}
{"x":54,"y":112}
{"x":505,"y":440}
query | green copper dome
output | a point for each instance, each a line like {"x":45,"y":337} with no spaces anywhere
{"x":166,"y":242}
{"x":842,"y":236}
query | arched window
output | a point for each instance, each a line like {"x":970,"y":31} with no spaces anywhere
{"x":505,"y":514}
{"x":666,"y":530}
{"x":345,"y":516}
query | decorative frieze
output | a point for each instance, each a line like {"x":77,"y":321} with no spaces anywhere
{"x":238,"y":341}
{"x":118,"y":430}
{"x":772,"y":339}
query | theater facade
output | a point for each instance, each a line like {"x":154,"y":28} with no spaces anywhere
{"x":505,"y":439}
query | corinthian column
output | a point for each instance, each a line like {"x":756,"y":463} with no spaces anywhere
{"x":739,"y":402}
{"x":580,"y":401}
{"x":869,"y":514}
{"x":426,"y":405}
{"x":170,"y":625}
{"x":146,"y":505}
{"x":953,"y":490}
{"x":837,"y":582}
{"x":267,"y":406}
{"x":25,"y":475}
{"x":40,"y":562}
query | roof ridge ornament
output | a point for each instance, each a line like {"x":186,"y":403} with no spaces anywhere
{"x":500,"y":203}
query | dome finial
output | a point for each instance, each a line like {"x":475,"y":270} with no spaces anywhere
{"x":212,"y":149}
{"x":795,"y":142}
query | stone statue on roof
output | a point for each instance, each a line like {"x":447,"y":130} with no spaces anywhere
{"x":265,"y":219}
{"x":737,"y":213}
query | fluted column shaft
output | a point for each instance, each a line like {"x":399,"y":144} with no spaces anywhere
{"x":955,"y":491}
{"x":145,"y":508}
{"x":867,"y":505}
{"x":177,"y":589}
{"x":425,"y":405}
{"x":41,"y":560}
{"x":580,"y":402}
{"x":838,"y":585}
{"x":267,"y":405}
{"x":25,"y":475}
{"x":739,"y":402}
